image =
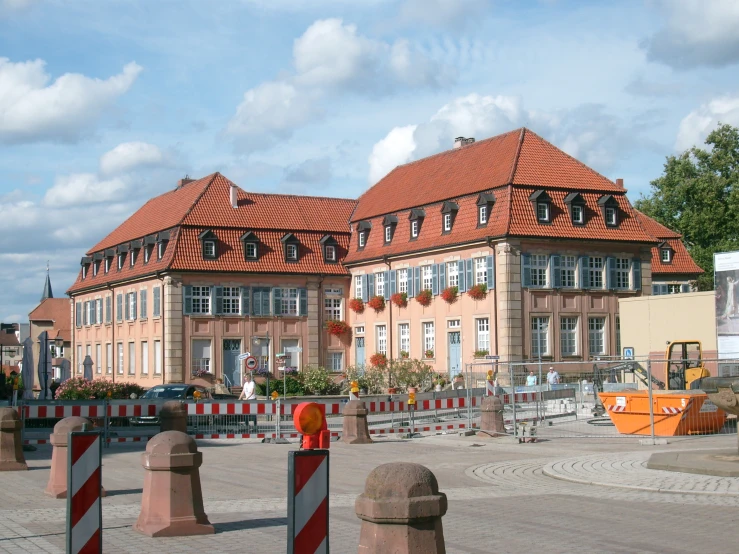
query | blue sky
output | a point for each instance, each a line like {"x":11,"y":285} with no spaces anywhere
{"x":106,"y":104}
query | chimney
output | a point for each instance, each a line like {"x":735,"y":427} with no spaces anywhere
{"x":234,"y":200}
{"x":620,"y":183}
{"x":459,"y":142}
{"x":182,"y":182}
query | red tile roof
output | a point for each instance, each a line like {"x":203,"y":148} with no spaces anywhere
{"x":681,"y":262}
{"x":230,"y":257}
{"x":8,"y":339}
{"x":56,"y":310}
{"x":516,"y":157}
{"x":654,"y":228}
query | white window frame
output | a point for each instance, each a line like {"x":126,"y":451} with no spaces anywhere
{"x":596,"y":266}
{"x":289,"y":302}
{"x":120,"y":261}
{"x":623,"y":273}
{"x":482,"y":325}
{"x":131,"y":299}
{"x":388,"y":233}
{"x":209,"y":248}
{"x":160,"y":250}
{"x":359,"y":330}
{"x":291,"y":251}
{"x":362,"y":239}
{"x":539,"y":270}
{"x":201,"y":363}
{"x":427,"y":277}
{"x":542,"y":212}
{"x":452,"y":274}
{"x":404,"y":338}
{"x":333,"y":308}
{"x":380,"y":284}
{"x":482,"y":215}
{"x":403,"y":281}
{"x":481,"y":271}
{"x":132,"y":258}
{"x":447,"y":222}
{"x":108,"y":358}
{"x":98,"y":311}
{"x":157,"y":357}
{"x":251,"y":250}
{"x":568,"y":333}
{"x":98,"y":358}
{"x":120,"y":360}
{"x":597,"y":335}
{"x":336,"y":361}
{"x":611,"y":218}
{"x":381,"y":339}
{"x":357,"y":286}
{"x":201,"y":299}
{"x":132,"y":358}
{"x":454,"y":324}
{"x":144,"y":358}
{"x":414,"y":228}
{"x":330,"y":253}
{"x":107,"y":265}
{"x":230,"y":302}
{"x":578,"y":213}
{"x":665,"y":255}
{"x":568,"y":272}
{"x":147,"y":254}
{"x":539,"y":328}
{"x":429,"y":337}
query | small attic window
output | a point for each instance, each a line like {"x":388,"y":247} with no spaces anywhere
{"x":85,"y":263}
{"x":666,"y":255}
{"x":416,"y":217}
{"x":609,"y":207}
{"x":543,"y":206}
{"x":330,"y":250}
{"x":389,"y":224}
{"x":448,"y":215}
{"x":576,"y":205}
{"x":209,"y":242}
{"x":485,"y":203}
{"x":162,"y":239}
{"x":363,"y":230}
{"x":291,"y":243}
{"x":251,"y":245}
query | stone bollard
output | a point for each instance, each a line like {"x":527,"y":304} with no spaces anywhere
{"x":57,"y":486}
{"x":172,"y":502}
{"x":11,"y":447}
{"x":355,"y":429}
{"x":173,"y":417}
{"x":491,"y":418}
{"x":401,"y":510}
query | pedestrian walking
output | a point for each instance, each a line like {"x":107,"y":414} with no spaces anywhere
{"x":552,"y":377}
{"x":531,"y":379}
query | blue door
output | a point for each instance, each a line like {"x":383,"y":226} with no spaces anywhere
{"x":455,"y":353}
{"x":359,"y":344}
{"x":231,"y":364}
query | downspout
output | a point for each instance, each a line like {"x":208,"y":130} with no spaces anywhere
{"x":495,"y":295}
{"x":113,"y":346}
{"x":161,"y":314}
{"x":390,"y":312}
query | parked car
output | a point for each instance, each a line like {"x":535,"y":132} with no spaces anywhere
{"x":169,"y":392}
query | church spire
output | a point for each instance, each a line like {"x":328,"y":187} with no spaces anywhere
{"x":47,"y":286}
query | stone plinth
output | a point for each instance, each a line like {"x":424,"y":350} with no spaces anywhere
{"x":355,"y":429}
{"x":173,"y":417}
{"x":11,"y":444}
{"x":401,"y":510}
{"x":57,"y":486}
{"x":491,"y":418}
{"x":172,"y":502}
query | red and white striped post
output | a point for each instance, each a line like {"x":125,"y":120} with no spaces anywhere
{"x":84,"y":485}
{"x":307,"y":502}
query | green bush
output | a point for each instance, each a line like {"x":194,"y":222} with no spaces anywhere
{"x":372,"y":379}
{"x":318,"y":381}
{"x":295,"y":387}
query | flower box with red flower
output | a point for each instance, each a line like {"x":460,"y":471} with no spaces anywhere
{"x":356,"y":305}
{"x":450,"y":294}
{"x":378,"y":360}
{"x":377,"y":303}
{"x":336,"y":327}
{"x":424,"y":297}
{"x":478,"y":292}
{"x":400,"y":299}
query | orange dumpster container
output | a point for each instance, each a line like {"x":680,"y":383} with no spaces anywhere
{"x":684,"y":412}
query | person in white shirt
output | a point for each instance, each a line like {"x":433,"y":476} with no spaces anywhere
{"x":552,"y":377}
{"x":531,"y":379}
{"x":248,"y":392}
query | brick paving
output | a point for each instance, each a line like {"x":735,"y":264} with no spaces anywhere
{"x":502,"y":497}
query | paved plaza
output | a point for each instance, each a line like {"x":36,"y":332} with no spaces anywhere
{"x":559,"y":495}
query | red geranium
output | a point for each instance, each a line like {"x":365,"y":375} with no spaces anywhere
{"x":336,"y":327}
{"x":377,"y":303}
{"x":400,"y":299}
{"x":449,"y":294}
{"x":424,"y":297}
{"x":478,"y":292}
{"x":356,"y":305}
{"x":378,"y":360}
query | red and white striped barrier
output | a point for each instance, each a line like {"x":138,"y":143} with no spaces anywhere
{"x":671,"y":410}
{"x":616,"y":408}
{"x":422,"y":429}
{"x":84,"y":511}
{"x":307,"y":502}
{"x":489,"y":388}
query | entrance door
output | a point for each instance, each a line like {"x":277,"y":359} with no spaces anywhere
{"x":231,"y":364}
{"x":359,"y":345}
{"x":455,"y":353}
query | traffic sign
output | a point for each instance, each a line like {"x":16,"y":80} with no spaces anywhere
{"x":293,"y":349}
{"x":492,"y":357}
{"x":628,"y":352}
{"x":251,"y":362}
{"x":244,"y":356}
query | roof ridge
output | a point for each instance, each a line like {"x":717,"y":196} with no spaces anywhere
{"x":200,"y":196}
{"x":514,"y":167}
{"x":642,"y":214}
{"x":296,"y":195}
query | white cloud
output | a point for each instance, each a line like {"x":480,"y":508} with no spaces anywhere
{"x":443,"y":13}
{"x":32,"y":108}
{"x":83,"y":188}
{"x":695,"y":127}
{"x":131,"y":155}
{"x":697,"y":32}
{"x":395,"y":149}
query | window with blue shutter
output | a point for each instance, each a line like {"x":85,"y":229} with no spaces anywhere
{"x":409,"y":276}
{"x":556,"y":266}
{"x":245,"y":301}
{"x":143,"y":308}
{"x":187,"y":293}
{"x":157,"y":302}
{"x":78,"y":315}
{"x":393,"y":283}
{"x":585,"y":272}
{"x":442,"y":276}
{"x":133,"y":315}
{"x":128,"y":308}
{"x":218,"y":293}
{"x":610,"y":273}
{"x":365,"y":291}
{"x":260,"y":303}
{"x":434,"y":279}
{"x":490,"y":272}
{"x":636,"y":273}
{"x":461,"y":276}
{"x":277,"y":301}
{"x":386,"y":281}
{"x":370,"y":285}
{"x":525,"y":270}
{"x":303,"y":301}
{"x":469,"y":272}
{"x":108,"y":301}
{"x":119,"y":308}
{"x":417,"y":280}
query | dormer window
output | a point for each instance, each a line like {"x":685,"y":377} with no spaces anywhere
{"x":416,"y":216}
{"x":251,"y":245}
{"x":209,"y":242}
{"x":135,"y":247}
{"x":291,"y":243}
{"x":363,"y":230}
{"x":609,"y":207}
{"x":133,"y":257}
{"x":85,"y":263}
{"x":109,"y":254}
{"x":94,"y":269}
{"x":148,"y":245}
{"x":665,"y":253}
{"x":543,"y":206}
{"x":122,"y":250}
{"x":576,"y":205}
{"x":121,"y":258}
{"x":389,"y":224}
{"x":448,"y":215}
{"x":107,"y":265}
{"x":330,"y":249}
{"x":162,"y":239}
{"x":485,"y":203}
{"x":160,"y":250}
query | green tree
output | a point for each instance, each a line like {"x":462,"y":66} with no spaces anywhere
{"x":698,"y":196}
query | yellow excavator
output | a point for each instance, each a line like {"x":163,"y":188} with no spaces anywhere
{"x":685,"y":367}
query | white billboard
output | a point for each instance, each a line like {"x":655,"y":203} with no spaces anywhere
{"x":726,"y":284}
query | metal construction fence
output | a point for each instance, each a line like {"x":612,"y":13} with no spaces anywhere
{"x":597,"y":399}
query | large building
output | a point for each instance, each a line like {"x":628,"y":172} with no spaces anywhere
{"x":548,"y":245}
{"x":206,"y":272}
